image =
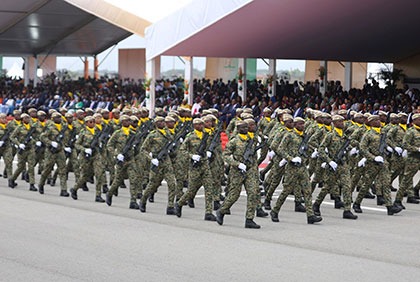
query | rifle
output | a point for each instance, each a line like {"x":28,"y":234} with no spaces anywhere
{"x":59,"y":139}
{"x":93,"y":145}
{"x":28,"y":138}
{"x":215,"y":141}
{"x":140,"y":135}
{"x":382,"y":145}
{"x":248,"y":154}
{"x":127,"y":148}
{"x":201,"y":149}
{"x":6,"y":136}
{"x":338,"y":158}
{"x":71,"y":141}
{"x":105,"y":135}
{"x":303,"y":146}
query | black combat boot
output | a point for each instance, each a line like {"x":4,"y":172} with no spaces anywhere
{"x":99,"y":199}
{"x":191,"y":203}
{"x":267,"y":204}
{"x":274,"y":216}
{"x":73,"y":193}
{"x":64,"y":193}
{"x":261,"y":213}
{"x":32,"y":188}
{"x":412,"y":200}
{"x":105,"y":188}
{"x":12,"y":183}
{"x":209,"y":217}
{"x":313,"y":219}
{"x":380,"y":200}
{"x":216,"y":205}
{"x":356,"y":208}
{"x":108,"y":199}
{"x":393,"y":189}
{"x":41,"y":189}
{"x":338,"y":204}
{"x":368,"y":195}
{"x":123,"y":185}
{"x":316,"y":210}
{"x":393,"y":209}
{"x":178,"y":210}
{"x":52,"y":182}
{"x":134,"y":205}
{"x":416,"y":194}
{"x":299,"y":207}
{"x":249,"y":223}
{"x":349,"y":215}
{"x":152,"y":198}
{"x":84,"y":187}
{"x":399,"y":204}
{"x":170,"y":211}
{"x":115,"y":192}
{"x":219,"y":217}
{"x":142,"y":207}
{"x":139,"y":195}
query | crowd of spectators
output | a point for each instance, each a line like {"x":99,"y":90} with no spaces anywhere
{"x":222,"y":95}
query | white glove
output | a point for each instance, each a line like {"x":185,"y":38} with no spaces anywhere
{"x":271,"y":154}
{"x":399,"y":150}
{"x":314,"y":154}
{"x":353,"y":152}
{"x":265,"y":137}
{"x":54,"y":144}
{"x":151,"y":155}
{"x":282,"y":163}
{"x":297,"y":160}
{"x":38,"y":143}
{"x":362,"y":162}
{"x":326,"y":150}
{"x":404,"y":154}
{"x":181,"y":140}
{"x":333,"y":165}
{"x":324,"y":165}
{"x":242,"y":167}
{"x":1,"y":143}
{"x":209,"y":154}
{"x":120,"y":157}
{"x":389,"y":149}
{"x":155,"y":162}
{"x":88,"y":151}
{"x":196,"y":158}
{"x":22,"y":146}
{"x":379,"y":159}
{"x":67,"y":149}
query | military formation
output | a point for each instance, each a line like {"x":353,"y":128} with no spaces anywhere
{"x":339,"y":154}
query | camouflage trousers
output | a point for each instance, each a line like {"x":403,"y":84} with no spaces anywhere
{"x":26,"y":157}
{"x":396,"y":166}
{"x":412,"y":165}
{"x":335,"y":180}
{"x":356,"y":175}
{"x":6,"y":153}
{"x":51,"y":159}
{"x":250,"y":182}
{"x":216,"y":176}
{"x":263,"y":154}
{"x":181,"y":173}
{"x":296,"y":177}
{"x":197,"y":177}
{"x":93,"y":165}
{"x":71,"y":165}
{"x":127,"y":168}
{"x":163,"y":171}
{"x":379,"y":174}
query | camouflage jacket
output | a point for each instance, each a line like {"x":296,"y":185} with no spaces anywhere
{"x":331,"y":145}
{"x":191,"y":145}
{"x":117,"y":142}
{"x":19,"y":135}
{"x":235,"y":150}
{"x":369,"y":145}
{"x":395,"y":136}
{"x":411,"y":142}
{"x":155,"y":142}
{"x":51,"y":133}
{"x":289,"y":146}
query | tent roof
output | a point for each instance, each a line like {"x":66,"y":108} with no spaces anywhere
{"x":345,"y":30}
{"x":60,"y":28}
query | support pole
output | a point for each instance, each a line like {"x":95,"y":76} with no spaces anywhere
{"x":242,"y":82}
{"x":188,"y":80}
{"x":86,"y":69}
{"x":324,"y":79}
{"x":26,"y":72}
{"x":348,"y":76}
{"x":36,"y":70}
{"x":95,"y":67}
{"x":272,"y":70}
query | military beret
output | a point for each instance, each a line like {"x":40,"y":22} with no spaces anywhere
{"x":298,"y":119}
{"x":17,"y":112}
{"x":56,"y":114}
{"x":174,"y":115}
{"x":382,"y":113}
{"x":126,"y":110}
{"x":373,"y":117}
{"x":135,"y":111}
{"x":214,"y":111}
{"x":248,"y":111}
{"x":88,"y":110}
{"x":342,"y":112}
{"x":239,"y":110}
{"x":287,"y":117}
{"x":402,"y":115}
{"x":62,"y":109}
{"x":279,"y":111}
{"x":134,"y":118}
{"x":337,"y":118}
{"x":169,"y":119}
{"x":206,"y":112}
{"x":174,"y":112}
{"x":145,"y":109}
{"x":207,"y":118}
{"x":31,"y":110}
{"x":393,"y":115}
{"x":416,"y":116}
{"x":24,"y":115}
{"x":250,"y":121}
{"x":287,"y":111}
{"x":51,"y":111}
{"x":88,"y":118}
{"x":182,"y":109}
{"x":352,"y":113}
{"x":309,"y":110}
{"x":366,"y":115}
{"x":241,"y":123}
{"x":115,"y":111}
{"x":197,"y":121}
{"x":158,"y":109}
{"x":3,"y":115}
{"x":326,"y":115}
{"x":267,"y":110}
{"x":80,"y":112}
{"x":317,"y":114}
{"x":159,"y":118}
{"x":124,"y":117}
{"x":41,"y":113}
{"x":212,"y":117}
{"x":68,"y":115}
{"x":246,"y":115}
{"x":104,"y":111}
{"x":358,"y":115}
{"x":97,"y":115}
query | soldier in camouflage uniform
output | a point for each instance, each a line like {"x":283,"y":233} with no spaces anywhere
{"x":22,"y":138}
{"x":11,"y":126}
{"x":161,"y":169}
{"x":242,"y":172}
{"x":120,"y":146}
{"x":336,"y":168}
{"x":40,"y":148}
{"x":296,"y":173}
{"x":376,"y":167}
{"x":264,"y":130}
{"x":109,"y":159}
{"x":411,"y":145}
{"x":232,"y":124}
{"x":89,"y":159}
{"x":53,"y":137}
{"x":5,"y":146}
{"x":199,"y":170}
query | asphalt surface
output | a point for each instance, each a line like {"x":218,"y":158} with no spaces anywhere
{"x":51,"y":238}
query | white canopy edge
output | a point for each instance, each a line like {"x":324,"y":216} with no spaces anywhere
{"x":186,"y":22}
{"x":113,"y":15}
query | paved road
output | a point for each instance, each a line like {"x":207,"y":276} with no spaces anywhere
{"x":50,"y":238}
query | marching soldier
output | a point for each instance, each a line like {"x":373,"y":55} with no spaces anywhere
{"x":5,"y":144}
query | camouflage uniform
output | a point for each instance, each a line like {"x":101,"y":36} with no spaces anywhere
{"x":264,"y":131}
{"x":6,"y":149}
{"x":356,"y":171}
{"x":394,"y":139}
